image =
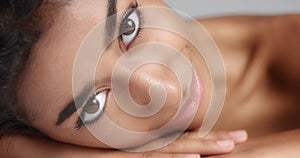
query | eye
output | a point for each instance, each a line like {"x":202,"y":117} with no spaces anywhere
{"x":130,"y":26}
{"x":94,"y":107}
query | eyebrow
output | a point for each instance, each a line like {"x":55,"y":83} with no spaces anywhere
{"x":111,"y":22}
{"x":72,"y":107}
{"x":110,"y":28}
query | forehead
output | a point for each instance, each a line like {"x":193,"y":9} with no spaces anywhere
{"x":47,"y":80}
{"x":48,"y":77}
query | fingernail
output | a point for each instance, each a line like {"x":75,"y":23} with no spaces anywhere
{"x":225,"y":143}
{"x":193,"y":156}
{"x":241,"y":135}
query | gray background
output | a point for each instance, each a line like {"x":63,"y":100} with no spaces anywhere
{"x":208,"y":8}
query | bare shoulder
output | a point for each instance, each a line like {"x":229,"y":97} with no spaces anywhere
{"x":238,"y":38}
{"x":239,"y":30}
{"x":281,"y":39}
{"x":262,"y":60}
{"x":272,"y":40}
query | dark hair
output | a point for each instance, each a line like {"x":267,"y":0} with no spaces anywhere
{"x":18,"y":33}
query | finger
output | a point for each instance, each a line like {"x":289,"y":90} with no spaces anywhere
{"x":238,"y":137}
{"x":122,"y":154}
{"x":231,"y":156}
{"x":240,"y":155}
{"x":202,"y":147}
{"x":190,"y":135}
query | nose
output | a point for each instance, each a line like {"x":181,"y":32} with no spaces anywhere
{"x":150,"y":75}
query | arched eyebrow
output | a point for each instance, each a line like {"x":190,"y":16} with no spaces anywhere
{"x":110,"y":26}
{"x":110,"y":29}
{"x":72,"y":107}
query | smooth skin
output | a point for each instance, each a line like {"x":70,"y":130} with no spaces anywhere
{"x":47,"y":81}
{"x":261,"y":59}
{"x":15,"y":146}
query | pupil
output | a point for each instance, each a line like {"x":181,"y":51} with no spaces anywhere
{"x":128,"y":27}
{"x":92,"y":107}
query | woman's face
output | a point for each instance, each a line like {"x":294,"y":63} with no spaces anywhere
{"x":46,"y":91}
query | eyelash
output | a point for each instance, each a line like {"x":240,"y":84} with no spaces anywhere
{"x":80,"y":122}
{"x":134,"y":7}
{"x":127,"y":13}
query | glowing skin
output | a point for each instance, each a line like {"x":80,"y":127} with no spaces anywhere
{"x":252,"y":93}
{"x":47,"y":86}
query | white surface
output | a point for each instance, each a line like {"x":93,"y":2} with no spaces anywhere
{"x":206,"y":8}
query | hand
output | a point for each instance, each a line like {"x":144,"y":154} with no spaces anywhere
{"x":188,"y":145}
{"x":212,"y":144}
{"x":274,"y":146}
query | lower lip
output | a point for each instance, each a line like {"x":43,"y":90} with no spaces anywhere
{"x":189,"y":109}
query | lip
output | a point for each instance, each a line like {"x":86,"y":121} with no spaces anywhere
{"x":189,"y":109}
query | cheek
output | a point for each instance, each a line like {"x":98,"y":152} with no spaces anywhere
{"x":135,"y":124}
{"x":158,"y":3}
{"x":161,"y":33}
{"x":170,"y":38}
{"x":67,"y":132}
{"x":165,"y":37}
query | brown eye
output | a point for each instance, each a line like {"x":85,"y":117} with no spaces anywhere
{"x":94,"y":107}
{"x":129,"y":27}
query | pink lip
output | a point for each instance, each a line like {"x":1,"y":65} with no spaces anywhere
{"x":191,"y":105}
